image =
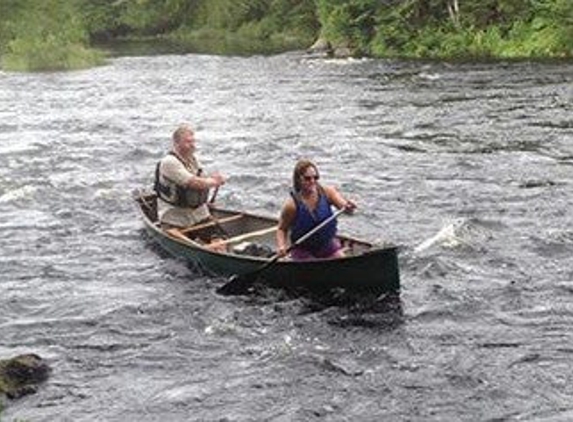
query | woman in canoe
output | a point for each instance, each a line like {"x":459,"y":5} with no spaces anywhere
{"x":309,"y":204}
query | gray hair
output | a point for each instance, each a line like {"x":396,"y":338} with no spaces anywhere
{"x":180,"y":131}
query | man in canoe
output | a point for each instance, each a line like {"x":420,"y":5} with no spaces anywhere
{"x":181,"y":187}
{"x":308,"y":205}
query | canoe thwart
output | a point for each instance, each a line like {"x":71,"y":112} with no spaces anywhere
{"x":250,"y":235}
{"x":218,"y":244}
{"x":178,"y":233}
{"x":211,"y":223}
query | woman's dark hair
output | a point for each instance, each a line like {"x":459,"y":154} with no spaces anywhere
{"x":299,"y":169}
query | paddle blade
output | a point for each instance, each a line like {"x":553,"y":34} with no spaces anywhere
{"x":237,"y":285}
{"x":240,"y":284}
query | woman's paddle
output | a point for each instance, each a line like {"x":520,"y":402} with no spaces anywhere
{"x":239,"y":284}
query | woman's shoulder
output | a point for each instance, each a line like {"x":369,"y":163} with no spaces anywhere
{"x":328,"y":191}
{"x":289,"y":203}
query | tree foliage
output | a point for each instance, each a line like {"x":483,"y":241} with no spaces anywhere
{"x":462,"y":28}
{"x":59,"y":33}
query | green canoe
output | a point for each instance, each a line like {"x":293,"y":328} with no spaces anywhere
{"x":238,"y":243}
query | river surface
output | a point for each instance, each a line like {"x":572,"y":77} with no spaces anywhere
{"x":468,"y":167}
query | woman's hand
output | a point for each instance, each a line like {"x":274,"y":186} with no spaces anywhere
{"x":282,"y":251}
{"x":349,"y":206}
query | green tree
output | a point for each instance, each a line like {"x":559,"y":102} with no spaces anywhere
{"x":349,"y":23}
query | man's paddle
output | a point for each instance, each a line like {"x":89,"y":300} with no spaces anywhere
{"x":239,"y":284}
{"x":215,"y":192}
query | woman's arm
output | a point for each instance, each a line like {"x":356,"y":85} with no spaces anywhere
{"x":338,"y":200}
{"x":288,"y":214}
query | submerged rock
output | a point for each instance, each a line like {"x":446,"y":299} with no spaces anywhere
{"x":21,"y":375}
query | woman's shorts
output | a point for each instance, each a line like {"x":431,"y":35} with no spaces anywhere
{"x":301,"y":254}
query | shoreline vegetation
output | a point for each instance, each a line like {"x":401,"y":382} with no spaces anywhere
{"x":56,"y":35}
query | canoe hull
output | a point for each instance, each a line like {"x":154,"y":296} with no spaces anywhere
{"x":374,"y":269}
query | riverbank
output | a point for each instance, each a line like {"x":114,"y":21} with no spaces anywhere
{"x":62,"y":58}
{"x":52,"y":35}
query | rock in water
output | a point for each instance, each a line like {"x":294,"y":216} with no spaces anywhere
{"x":22,"y":374}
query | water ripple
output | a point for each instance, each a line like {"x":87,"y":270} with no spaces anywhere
{"x":465,"y":166}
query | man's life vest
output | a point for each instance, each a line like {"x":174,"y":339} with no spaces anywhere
{"x":177,"y":195}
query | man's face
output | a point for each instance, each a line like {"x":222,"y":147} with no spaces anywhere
{"x":187,"y":143}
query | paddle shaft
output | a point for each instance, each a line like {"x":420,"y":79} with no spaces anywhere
{"x":215,"y":192}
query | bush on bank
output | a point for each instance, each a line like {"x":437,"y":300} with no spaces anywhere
{"x":48,"y":55}
{"x":47,"y":35}
{"x":451,"y":28}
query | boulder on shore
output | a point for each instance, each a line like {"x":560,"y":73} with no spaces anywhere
{"x":321,"y":47}
{"x":22,"y":374}
{"x":324,"y":48}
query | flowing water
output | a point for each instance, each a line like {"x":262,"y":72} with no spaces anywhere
{"x":468,"y":167}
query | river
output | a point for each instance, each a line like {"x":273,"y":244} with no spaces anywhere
{"x":468,"y":167}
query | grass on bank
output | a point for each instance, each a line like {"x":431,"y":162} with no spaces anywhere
{"x":33,"y":55}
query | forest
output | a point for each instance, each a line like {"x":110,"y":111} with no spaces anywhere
{"x":38,"y":35}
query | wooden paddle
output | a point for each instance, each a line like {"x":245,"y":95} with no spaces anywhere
{"x":214,"y":196}
{"x":216,"y":220}
{"x":239,"y":284}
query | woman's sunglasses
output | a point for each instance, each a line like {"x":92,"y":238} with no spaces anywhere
{"x":309,"y":178}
